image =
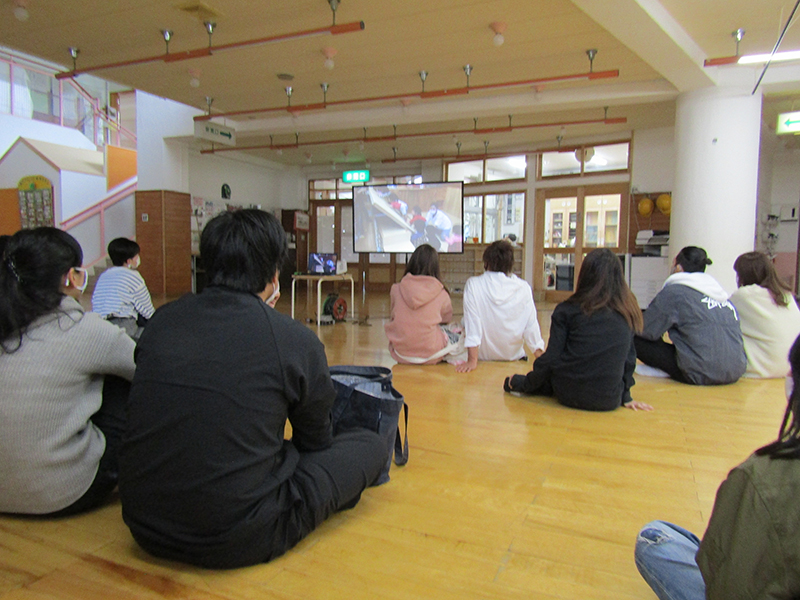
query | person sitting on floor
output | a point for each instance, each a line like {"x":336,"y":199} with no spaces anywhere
{"x":206,"y":476}
{"x":590,"y":356}
{"x":499,"y":314}
{"x":418,"y":328}
{"x":63,"y":373}
{"x":750,"y":547}
{"x":768,"y":315}
{"x":703,"y":326}
{"x":120,"y":294}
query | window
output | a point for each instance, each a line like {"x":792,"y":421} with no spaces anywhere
{"x":468,"y":172}
{"x":504,"y":168}
{"x":584,"y":159}
{"x":491,"y":217}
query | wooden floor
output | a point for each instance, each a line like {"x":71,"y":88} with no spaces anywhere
{"x":502,"y":497}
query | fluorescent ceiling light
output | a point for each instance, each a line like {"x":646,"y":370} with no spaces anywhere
{"x":754,"y":59}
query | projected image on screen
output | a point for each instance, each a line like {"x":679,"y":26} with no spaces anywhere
{"x":398,"y":218}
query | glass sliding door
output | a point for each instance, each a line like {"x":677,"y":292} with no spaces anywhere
{"x":573,"y":222}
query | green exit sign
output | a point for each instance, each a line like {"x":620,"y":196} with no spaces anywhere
{"x":355,"y":176}
{"x":788,"y":123}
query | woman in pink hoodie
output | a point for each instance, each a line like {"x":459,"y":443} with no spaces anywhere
{"x":420,"y":309}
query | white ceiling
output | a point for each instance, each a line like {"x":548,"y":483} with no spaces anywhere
{"x":656,"y":45}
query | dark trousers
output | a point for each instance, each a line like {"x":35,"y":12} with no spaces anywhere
{"x":661,"y":355}
{"x":328,"y":481}
{"x":111,"y":420}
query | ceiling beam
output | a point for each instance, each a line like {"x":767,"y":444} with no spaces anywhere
{"x":647,"y":29}
{"x":465,"y":107}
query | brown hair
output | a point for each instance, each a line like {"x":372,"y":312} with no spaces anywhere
{"x":755,"y":268}
{"x":424,"y":261}
{"x":601,"y":284}
{"x":499,"y":257}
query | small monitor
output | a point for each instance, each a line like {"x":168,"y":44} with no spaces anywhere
{"x":322,"y":264}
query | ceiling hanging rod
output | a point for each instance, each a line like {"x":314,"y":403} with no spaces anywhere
{"x":209,"y":50}
{"x":422,"y":95}
{"x":388,"y":138}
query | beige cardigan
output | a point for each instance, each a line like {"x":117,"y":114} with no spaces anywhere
{"x":768,"y":330}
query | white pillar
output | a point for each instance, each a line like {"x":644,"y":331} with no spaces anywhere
{"x":717,"y":132}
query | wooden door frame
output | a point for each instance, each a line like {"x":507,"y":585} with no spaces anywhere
{"x":580,"y":192}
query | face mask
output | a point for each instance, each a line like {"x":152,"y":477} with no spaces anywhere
{"x":82,"y":287}
{"x":275,"y":293}
{"x":789,"y":386}
{"x":136,"y":262}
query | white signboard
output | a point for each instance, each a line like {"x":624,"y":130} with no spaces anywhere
{"x":214,"y":132}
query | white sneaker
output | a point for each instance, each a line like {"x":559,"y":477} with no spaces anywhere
{"x":648,"y":371}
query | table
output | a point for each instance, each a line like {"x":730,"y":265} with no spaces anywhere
{"x":319,"y":279}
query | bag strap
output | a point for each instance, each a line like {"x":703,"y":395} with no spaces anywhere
{"x":401,"y":452}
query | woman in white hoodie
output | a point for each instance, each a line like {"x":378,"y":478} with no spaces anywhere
{"x":703,"y":326}
{"x":768,"y":315}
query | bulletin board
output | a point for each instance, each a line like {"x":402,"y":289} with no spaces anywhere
{"x":36,"y":206}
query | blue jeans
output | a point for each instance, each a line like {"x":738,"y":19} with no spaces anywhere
{"x":665,"y":556}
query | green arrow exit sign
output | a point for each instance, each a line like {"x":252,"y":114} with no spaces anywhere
{"x":788,"y":123}
{"x":355,"y":176}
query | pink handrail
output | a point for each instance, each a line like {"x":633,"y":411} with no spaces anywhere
{"x":36,"y":67}
{"x":123,"y":190}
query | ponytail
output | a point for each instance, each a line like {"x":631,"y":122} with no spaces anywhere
{"x":33,"y":264}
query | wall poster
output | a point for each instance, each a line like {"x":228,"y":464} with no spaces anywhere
{"x":36,"y":207}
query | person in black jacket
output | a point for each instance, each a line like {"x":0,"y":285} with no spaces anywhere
{"x":206,"y":476}
{"x":590,"y":356}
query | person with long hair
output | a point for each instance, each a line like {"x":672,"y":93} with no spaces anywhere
{"x":768,"y":315}
{"x":63,"y":394}
{"x":419,"y":329}
{"x":706,"y":341}
{"x":499,"y":313}
{"x":206,"y":476}
{"x":750,"y":547}
{"x":590,"y":357}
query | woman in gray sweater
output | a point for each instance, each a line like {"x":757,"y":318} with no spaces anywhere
{"x":61,"y":420}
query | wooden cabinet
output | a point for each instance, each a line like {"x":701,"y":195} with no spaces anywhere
{"x":163,"y":233}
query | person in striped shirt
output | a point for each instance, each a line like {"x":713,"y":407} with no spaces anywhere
{"x":121,"y":295}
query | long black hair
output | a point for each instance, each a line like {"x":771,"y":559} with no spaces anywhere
{"x":34,"y":264}
{"x":601,"y":284}
{"x":788,"y":443}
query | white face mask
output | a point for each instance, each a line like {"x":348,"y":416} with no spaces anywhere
{"x":137,"y":260}
{"x":788,"y":386}
{"x":275,"y":292}
{"x":82,"y":287}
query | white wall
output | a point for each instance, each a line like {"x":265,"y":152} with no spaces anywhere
{"x":163,"y":164}
{"x":653,"y":164}
{"x":252,"y":180}
{"x":786,"y":192}
{"x":79,"y":191}
{"x":12,"y":128}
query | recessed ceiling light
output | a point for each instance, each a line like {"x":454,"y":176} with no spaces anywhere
{"x":285,"y":76}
